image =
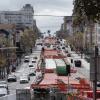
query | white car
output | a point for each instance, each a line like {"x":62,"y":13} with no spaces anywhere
{"x":24,"y":79}
{"x":3,"y":84}
{"x":11,"y":78}
{"x":32,"y":60}
{"x":32,"y":72}
{"x":26,"y":59}
{"x":35,"y":57}
{"x":26,"y":75}
{"x":31,"y":64}
{"x":3,"y":92}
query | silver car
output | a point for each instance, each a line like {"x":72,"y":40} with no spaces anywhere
{"x":3,"y":92}
{"x":3,"y":84}
{"x":24,"y":79}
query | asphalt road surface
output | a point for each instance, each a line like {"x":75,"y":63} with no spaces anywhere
{"x":23,"y":68}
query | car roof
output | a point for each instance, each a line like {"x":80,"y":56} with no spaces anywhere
{"x":30,"y":63}
{"x":11,"y":75}
{"x":23,"y":78}
{"x":26,"y":56}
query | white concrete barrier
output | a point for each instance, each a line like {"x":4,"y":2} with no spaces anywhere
{"x":9,"y":97}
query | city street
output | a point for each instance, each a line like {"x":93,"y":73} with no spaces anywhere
{"x":49,"y":50}
{"x":23,"y":68}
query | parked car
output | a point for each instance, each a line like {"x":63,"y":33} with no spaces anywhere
{"x":3,"y":84}
{"x":33,"y":61}
{"x":35,"y":57}
{"x":68,"y":55}
{"x":87,"y":58}
{"x":98,"y":84}
{"x":3,"y":92}
{"x":11,"y":78}
{"x":32,"y":73}
{"x":66,"y":51}
{"x":26,"y":75}
{"x":24,"y":79}
{"x":63,"y":47}
{"x":26,"y":59}
{"x":31,"y":64}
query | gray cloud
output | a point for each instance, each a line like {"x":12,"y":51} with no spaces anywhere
{"x":55,"y":7}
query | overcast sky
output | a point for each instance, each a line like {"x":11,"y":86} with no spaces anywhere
{"x":47,"y":7}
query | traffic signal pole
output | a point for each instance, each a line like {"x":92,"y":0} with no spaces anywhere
{"x":95,"y":74}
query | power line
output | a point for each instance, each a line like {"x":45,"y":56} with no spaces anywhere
{"x":49,"y":15}
{"x":45,"y":26}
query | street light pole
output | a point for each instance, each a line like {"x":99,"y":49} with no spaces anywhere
{"x":95,"y":74}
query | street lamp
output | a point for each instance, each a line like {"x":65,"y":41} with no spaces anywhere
{"x":95,"y":74}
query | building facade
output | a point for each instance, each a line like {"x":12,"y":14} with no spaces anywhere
{"x":97,"y":35}
{"x":68,"y":25}
{"x":92,"y":36}
{"x":23,"y":17}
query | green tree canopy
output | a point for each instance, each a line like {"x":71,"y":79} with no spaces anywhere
{"x":88,"y":8}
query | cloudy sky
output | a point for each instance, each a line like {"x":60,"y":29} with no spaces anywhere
{"x":43,"y":7}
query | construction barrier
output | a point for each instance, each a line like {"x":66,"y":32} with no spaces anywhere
{"x":73,"y":86}
{"x":69,"y":97}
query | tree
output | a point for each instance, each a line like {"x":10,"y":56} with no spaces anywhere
{"x":91,"y":10}
{"x":28,"y":39}
{"x":79,"y":41}
{"x":76,"y":41}
{"x":88,"y":12}
{"x":88,"y":8}
{"x":4,"y":42}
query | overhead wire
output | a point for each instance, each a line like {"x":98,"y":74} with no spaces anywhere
{"x":45,"y":15}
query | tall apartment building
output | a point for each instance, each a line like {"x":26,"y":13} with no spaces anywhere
{"x":94,"y":35}
{"x":68,"y":25}
{"x":23,"y":17}
{"x":97,"y":35}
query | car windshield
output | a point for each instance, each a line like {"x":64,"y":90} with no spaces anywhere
{"x":3,"y":82}
{"x":33,"y":61}
{"x":23,"y":78}
{"x":11,"y":76}
{"x":31,"y":66}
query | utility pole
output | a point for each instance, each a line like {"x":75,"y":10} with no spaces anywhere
{"x":95,"y":73}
